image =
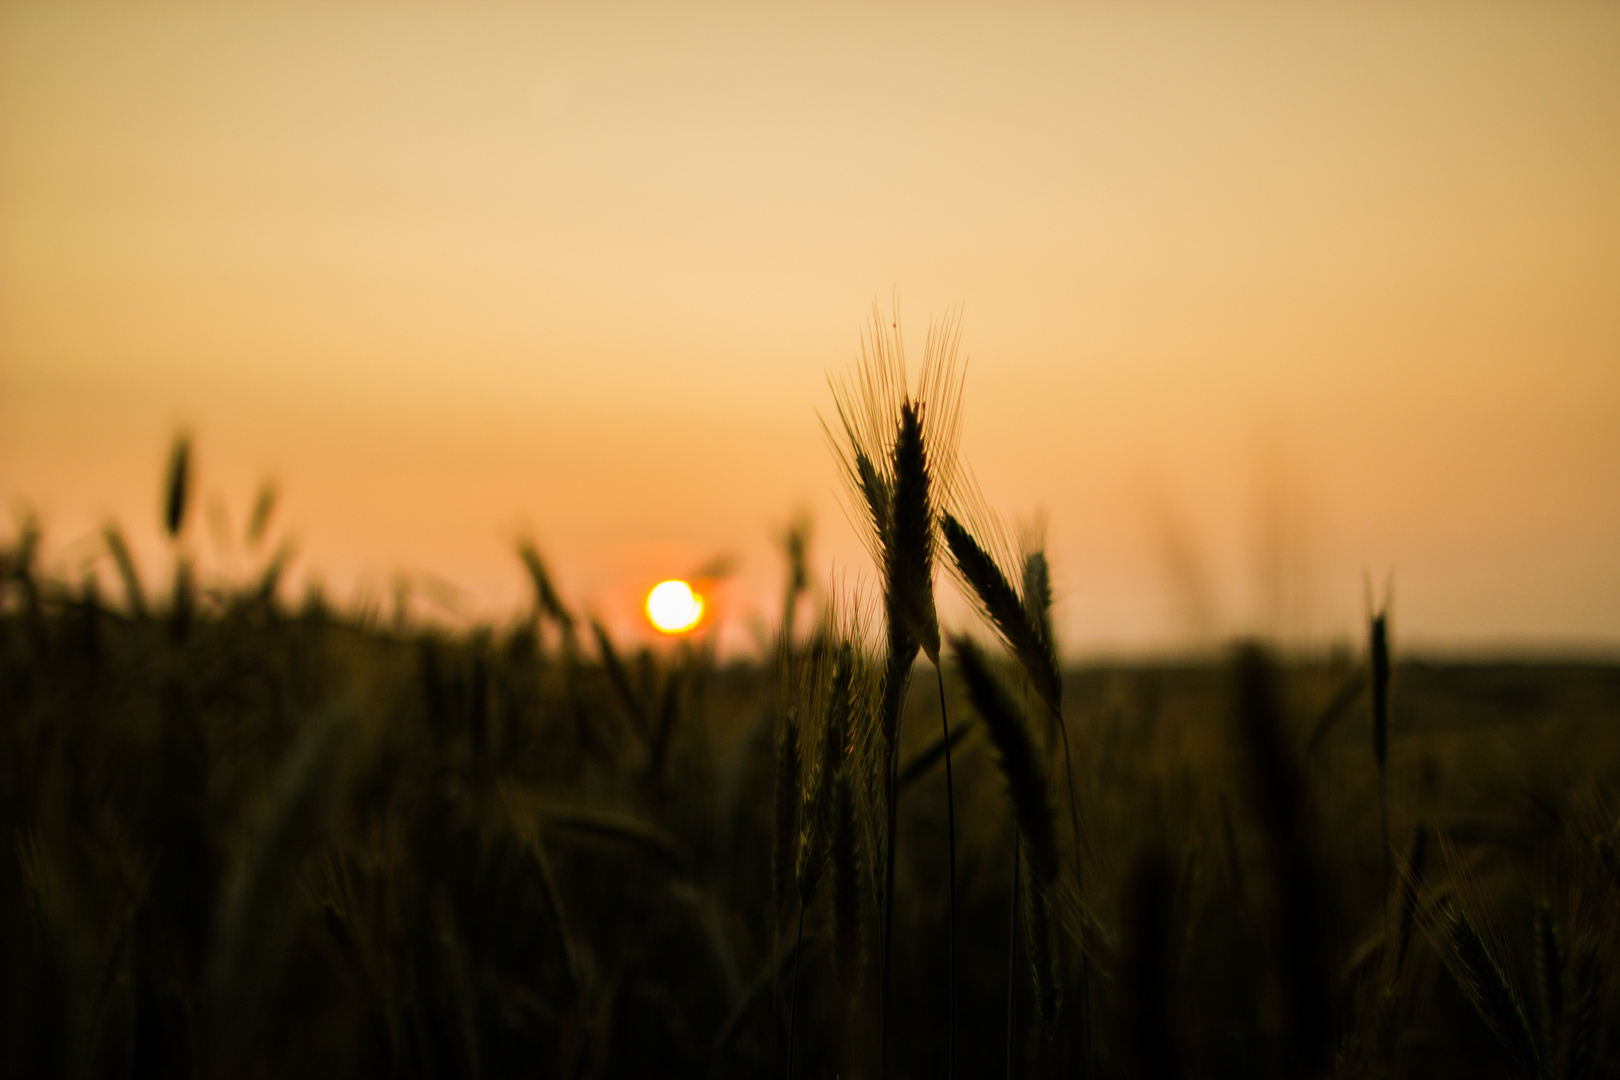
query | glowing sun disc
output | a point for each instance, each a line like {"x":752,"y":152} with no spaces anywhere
{"x":673,"y":607}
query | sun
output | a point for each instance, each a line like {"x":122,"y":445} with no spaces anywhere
{"x":673,"y":607}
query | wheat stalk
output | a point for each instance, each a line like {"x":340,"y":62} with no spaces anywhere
{"x":897,"y":460}
{"x":546,"y":599}
{"x":264,"y":507}
{"x":1029,"y":792}
{"x":1023,"y":621}
{"x":1378,"y":654}
{"x":135,"y":596}
{"x":784,"y":835}
{"x":1016,"y":755}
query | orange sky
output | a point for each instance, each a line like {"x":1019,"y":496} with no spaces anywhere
{"x":450,"y":274}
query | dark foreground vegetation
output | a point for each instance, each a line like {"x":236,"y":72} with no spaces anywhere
{"x":242,"y":840}
{"x":249,"y":840}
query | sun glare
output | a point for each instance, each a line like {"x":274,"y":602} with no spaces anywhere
{"x":673,"y":607}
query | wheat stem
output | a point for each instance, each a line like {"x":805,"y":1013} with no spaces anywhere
{"x":950,"y":832}
{"x":898,"y":677}
{"x":1378,"y":648}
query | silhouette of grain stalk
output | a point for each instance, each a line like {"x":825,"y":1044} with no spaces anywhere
{"x":819,"y":810}
{"x":1378,"y":659}
{"x":1035,"y":853}
{"x":795,"y":541}
{"x":1023,"y":622}
{"x":896,"y":452}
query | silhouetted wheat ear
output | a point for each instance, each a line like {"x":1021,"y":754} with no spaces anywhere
{"x":134,"y":595}
{"x":669,"y":711}
{"x":1000,"y":604}
{"x":25,"y":552}
{"x":908,"y":607}
{"x":545,"y":594}
{"x":878,"y":497}
{"x":910,"y":583}
{"x":867,"y":764}
{"x":1016,"y":754}
{"x":1485,"y":983}
{"x":816,"y":815}
{"x":1378,"y":648}
{"x":174,"y":496}
{"x":619,"y":679}
{"x":795,"y":543}
{"x":264,"y":507}
{"x":1038,"y":594}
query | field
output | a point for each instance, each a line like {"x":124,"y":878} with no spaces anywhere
{"x":248,"y":838}
{"x":253,"y":841}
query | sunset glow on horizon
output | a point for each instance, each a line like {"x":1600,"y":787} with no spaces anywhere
{"x":1258,"y":301}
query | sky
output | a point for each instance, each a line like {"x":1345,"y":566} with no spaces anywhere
{"x":1259,"y":304}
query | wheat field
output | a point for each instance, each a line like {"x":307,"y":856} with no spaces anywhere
{"x":247,"y":837}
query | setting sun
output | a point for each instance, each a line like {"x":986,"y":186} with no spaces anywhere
{"x":673,"y":607}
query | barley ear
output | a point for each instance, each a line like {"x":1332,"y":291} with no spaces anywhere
{"x":1016,"y":754}
{"x":1000,"y":603}
{"x":1484,"y":982}
{"x":175,"y":490}
{"x":545,"y":593}
{"x":876,"y":493}
{"x":795,"y":544}
{"x":816,"y":815}
{"x":134,"y":595}
{"x":619,"y":679}
{"x":1038,"y":594}
{"x":910,"y":572}
{"x":1378,"y":647}
{"x":264,"y":507}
